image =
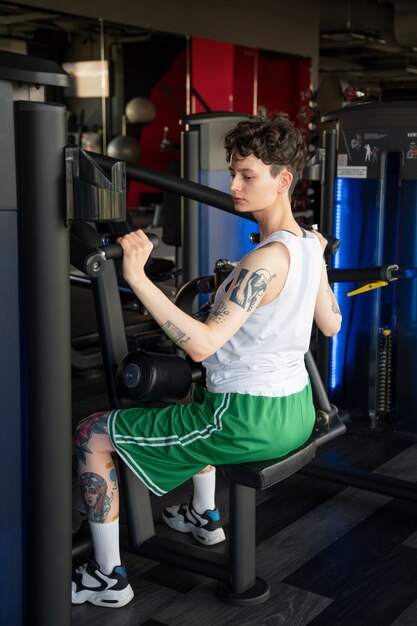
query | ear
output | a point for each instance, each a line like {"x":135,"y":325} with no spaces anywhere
{"x":285,"y":181}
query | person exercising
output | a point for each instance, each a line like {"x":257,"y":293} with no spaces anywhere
{"x":257,"y":404}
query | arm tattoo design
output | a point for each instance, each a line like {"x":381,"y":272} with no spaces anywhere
{"x":174,"y":333}
{"x":335,"y":308}
{"x":219,"y":313}
{"x":97,"y":423}
{"x":250,"y":288}
{"x":97,"y":502}
{"x":333,"y":302}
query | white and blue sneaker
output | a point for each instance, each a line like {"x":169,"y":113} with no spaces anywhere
{"x":89,"y":584}
{"x":205,"y":527}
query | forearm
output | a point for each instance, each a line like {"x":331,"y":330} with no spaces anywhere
{"x":327,"y":312}
{"x":189,"y":334}
{"x":200,"y":340}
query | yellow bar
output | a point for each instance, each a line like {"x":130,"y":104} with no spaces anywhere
{"x":368,"y":287}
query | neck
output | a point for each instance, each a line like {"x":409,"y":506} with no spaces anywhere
{"x":281,"y":219}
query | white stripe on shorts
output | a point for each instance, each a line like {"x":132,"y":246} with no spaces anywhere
{"x":174,"y":440}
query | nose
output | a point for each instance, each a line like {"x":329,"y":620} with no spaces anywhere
{"x":234,"y":185}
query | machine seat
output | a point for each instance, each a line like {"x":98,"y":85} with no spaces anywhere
{"x":263,"y":474}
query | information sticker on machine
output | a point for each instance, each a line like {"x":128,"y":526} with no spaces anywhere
{"x":349,"y":171}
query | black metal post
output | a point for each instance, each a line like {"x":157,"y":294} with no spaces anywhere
{"x":244,"y":587}
{"x":326,"y":225}
{"x":46,"y":362}
{"x":190,"y":208}
{"x":327,"y":190}
{"x":242,"y":539}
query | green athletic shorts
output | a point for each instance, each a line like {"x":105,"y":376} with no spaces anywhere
{"x":165,"y":446}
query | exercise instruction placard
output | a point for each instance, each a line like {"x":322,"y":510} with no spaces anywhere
{"x":351,"y":171}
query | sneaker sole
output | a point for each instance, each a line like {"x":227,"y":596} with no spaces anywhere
{"x":207,"y":537}
{"x":105,"y":598}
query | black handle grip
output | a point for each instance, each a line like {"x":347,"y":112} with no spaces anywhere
{"x":332,"y":245}
{"x":113,"y":250}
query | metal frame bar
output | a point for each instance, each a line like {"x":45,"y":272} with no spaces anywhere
{"x":46,"y":361}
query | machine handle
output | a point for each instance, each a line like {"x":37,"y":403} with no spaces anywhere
{"x":333,"y":244}
{"x":113,"y":250}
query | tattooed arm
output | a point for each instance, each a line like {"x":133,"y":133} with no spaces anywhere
{"x":327,"y":313}
{"x":259,"y":278}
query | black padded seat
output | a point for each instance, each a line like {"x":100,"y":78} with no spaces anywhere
{"x":264,"y":474}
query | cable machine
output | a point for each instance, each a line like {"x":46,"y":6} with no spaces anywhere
{"x":371,"y":205}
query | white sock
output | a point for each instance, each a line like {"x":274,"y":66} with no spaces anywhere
{"x":204,"y":491}
{"x":106,"y":545}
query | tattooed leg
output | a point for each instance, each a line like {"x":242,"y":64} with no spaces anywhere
{"x":96,"y":470}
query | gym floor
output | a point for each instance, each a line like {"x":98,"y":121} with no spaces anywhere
{"x":331,"y":553}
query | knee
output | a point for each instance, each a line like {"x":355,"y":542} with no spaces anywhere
{"x":87,"y":429}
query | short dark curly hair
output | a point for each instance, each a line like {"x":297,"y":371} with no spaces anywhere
{"x":274,"y":139}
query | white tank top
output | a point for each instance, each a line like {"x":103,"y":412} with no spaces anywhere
{"x":266,"y":355}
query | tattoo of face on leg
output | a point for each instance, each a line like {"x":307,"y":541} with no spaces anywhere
{"x":96,"y":423}
{"x":97,"y":502}
{"x":174,"y":333}
{"x":219,"y":313}
{"x":250,"y":288}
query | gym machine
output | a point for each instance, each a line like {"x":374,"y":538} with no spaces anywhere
{"x":368,"y":172}
{"x":209,"y":235}
{"x":370,"y":202}
{"x":138,"y":377}
{"x":34,"y":347}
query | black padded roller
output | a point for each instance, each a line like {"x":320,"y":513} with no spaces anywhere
{"x":147,"y":376}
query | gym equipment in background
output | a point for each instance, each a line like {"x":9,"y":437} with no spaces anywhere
{"x":370,"y":202}
{"x":124,"y":147}
{"x":209,"y":235}
{"x":140,"y":110}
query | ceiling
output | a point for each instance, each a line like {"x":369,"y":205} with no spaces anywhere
{"x":54,"y":30}
{"x":370,"y":44}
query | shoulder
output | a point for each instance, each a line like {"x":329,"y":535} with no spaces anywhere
{"x":274,"y":254}
{"x":267,"y":265}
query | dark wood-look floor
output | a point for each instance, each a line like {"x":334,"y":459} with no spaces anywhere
{"x":333,"y":555}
